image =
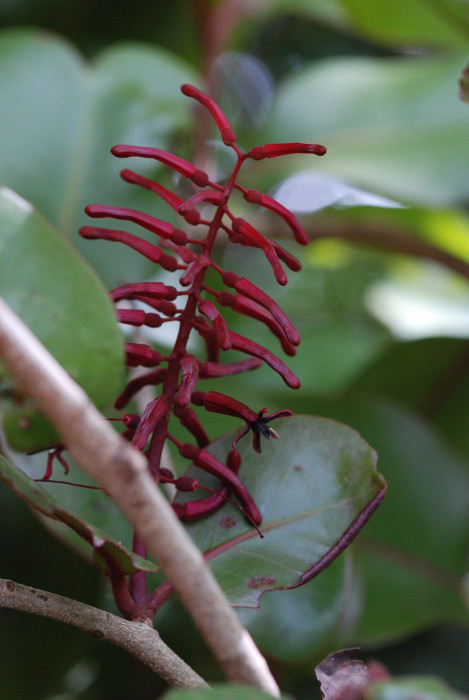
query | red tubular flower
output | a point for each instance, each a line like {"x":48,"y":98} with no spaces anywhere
{"x":274,"y":150}
{"x":211,"y":370}
{"x":151,"y":223}
{"x":256,"y":197}
{"x":139,"y":354}
{"x":219,"y":324}
{"x":156,"y":290}
{"x":152,"y":378}
{"x":181,"y":166}
{"x":247,"y":235}
{"x":150,"y":251}
{"x":190,"y":421}
{"x":151,"y":417}
{"x":227,"y":134}
{"x":189,"y":377}
{"x":248,"y":289}
{"x":239,"y":342}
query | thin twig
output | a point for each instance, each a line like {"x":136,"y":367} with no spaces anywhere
{"x":121,"y":471}
{"x":137,"y":638}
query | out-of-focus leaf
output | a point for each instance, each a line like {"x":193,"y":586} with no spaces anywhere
{"x":315,"y":487}
{"x":391,"y":126}
{"x":59,"y":117}
{"x":310,"y":191}
{"x":220,"y":692}
{"x":411,"y":23}
{"x":413,"y":688}
{"x":62,"y":301}
{"x":106,"y":551}
{"x":411,"y":561}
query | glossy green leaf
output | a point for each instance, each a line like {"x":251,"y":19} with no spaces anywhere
{"x":59,"y":117}
{"x":411,"y":23}
{"x":315,"y":487}
{"x":392,"y":126}
{"x":106,"y":551}
{"x":61,"y":300}
{"x":413,"y":688}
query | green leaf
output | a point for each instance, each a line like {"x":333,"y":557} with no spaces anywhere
{"x":62,"y":301}
{"x":59,"y":117}
{"x":411,"y":561}
{"x":405,"y":23}
{"x":106,"y":551}
{"x":393,"y":126}
{"x":413,"y":688}
{"x":315,"y":487}
{"x":220,"y":691}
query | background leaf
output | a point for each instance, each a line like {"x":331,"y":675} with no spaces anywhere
{"x":60,"y":298}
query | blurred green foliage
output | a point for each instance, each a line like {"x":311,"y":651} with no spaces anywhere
{"x":377,"y":83}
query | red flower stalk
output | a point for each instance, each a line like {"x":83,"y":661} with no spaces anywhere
{"x":178,"y":378}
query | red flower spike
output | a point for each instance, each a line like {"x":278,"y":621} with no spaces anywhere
{"x":274,"y":150}
{"x":148,"y":250}
{"x":239,"y":342}
{"x":227,"y":134}
{"x":251,"y":237}
{"x":260,"y":427}
{"x":219,"y":324}
{"x":189,"y":377}
{"x":153,"y":414}
{"x":139,"y":354}
{"x":183,"y":167}
{"x":256,"y":197}
{"x":211,"y":370}
{"x":153,"y":378}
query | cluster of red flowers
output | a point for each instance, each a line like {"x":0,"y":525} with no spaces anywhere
{"x":196,"y":307}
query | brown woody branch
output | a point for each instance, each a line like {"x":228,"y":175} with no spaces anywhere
{"x":137,"y":638}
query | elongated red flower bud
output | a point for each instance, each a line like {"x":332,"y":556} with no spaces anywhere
{"x":183,"y":167}
{"x":248,"y":289}
{"x":153,"y":414}
{"x":256,"y":197}
{"x":239,"y":342}
{"x":151,"y":223}
{"x":227,"y":134}
{"x":201,"y":262}
{"x":252,"y":237}
{"x":152,"y":378}
{"x":206,"y":461}
{"x":189,"y":376}
{"x":195,"y":510}
{"x":140,"y":354}
{"x":156,"y":290}
{"x":211,"y":370}
{"x":135,"y":179}
{"x":191,"y":422}
{"x":210,"y":196}
{"x":219,"y":324}
{"x":132,"y":317}
{"x":247,"y":307}
{"x":286,"y":257}
{"x":215,"y":402}
{"x":148,"y":250}
{"x":274,"y":150}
